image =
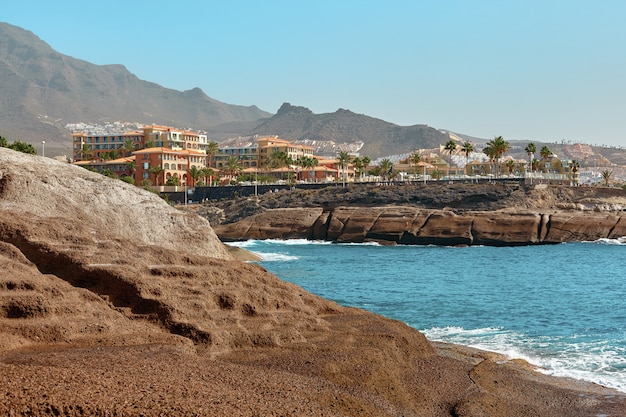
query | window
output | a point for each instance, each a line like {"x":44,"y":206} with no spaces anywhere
{"x":146,"y":165}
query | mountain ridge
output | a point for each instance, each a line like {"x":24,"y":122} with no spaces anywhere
{"x":42,"y":89}
{"x":379,"y":137}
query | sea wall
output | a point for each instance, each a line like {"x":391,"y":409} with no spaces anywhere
{"x":416,"y":226}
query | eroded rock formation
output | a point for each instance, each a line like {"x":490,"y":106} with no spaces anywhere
{"x":423,"y":226}
{"x":114,"y":303}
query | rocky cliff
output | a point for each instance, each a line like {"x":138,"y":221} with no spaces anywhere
{"x":433,"y":214}
{"x":113,"y":303}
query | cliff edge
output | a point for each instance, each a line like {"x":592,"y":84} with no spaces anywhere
{"x":428,"y":214}
{"x":114,"y":303}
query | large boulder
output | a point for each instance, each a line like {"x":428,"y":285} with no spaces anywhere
{"x":51,"y":194}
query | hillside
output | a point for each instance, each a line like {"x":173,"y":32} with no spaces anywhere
{"x":42,"y":90}
{"x":379,"y":138}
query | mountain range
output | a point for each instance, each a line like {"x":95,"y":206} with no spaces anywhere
{"x":43,"y":90}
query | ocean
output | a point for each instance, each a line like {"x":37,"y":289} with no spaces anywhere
{"x":560,"y":307}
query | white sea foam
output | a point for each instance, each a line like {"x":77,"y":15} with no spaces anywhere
{"x":242,"y":244}
{"x":298,"y":242}
{"x":276,"y":257}
{"x":589,"y":361}
{"x":618,"y":241}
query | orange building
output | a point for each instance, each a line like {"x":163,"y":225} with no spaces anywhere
{"x":121,"y":166}
{"x":158,"y":165}
{"x":112,"y":146}
{"x":87,"y":147}
{"x":268,"y":145}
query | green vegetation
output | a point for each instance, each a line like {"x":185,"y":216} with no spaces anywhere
{"x":359,"y":165}
{"x":385,"y":168}
{"x":211,"y":149}
{"x":606,"y":176}
{"x":195,"y":173}
{"x":437,"y":174}
{"x":530,"y":150}
{"x":344,"y":159}
{"x":128,"y":147}
{"x":18,"y":146}
{"x":496,"y":147}
{"x":157,"y":171}
{"x":467,"y":149}
{"x":128,"y":179}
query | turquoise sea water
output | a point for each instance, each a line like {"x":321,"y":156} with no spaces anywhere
{"x":561,"y":307}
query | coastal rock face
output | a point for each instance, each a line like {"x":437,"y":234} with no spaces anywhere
{"x":80,"y":202}
{"x":114,"y":303}
{"x":413,"y":225}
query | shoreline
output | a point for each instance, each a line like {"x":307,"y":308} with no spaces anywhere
{"x":505,"y":352}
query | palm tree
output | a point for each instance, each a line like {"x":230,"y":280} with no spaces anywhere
{"x":574,"y":165}
{"x":131,"y":168}
{"x":545,"y":152}
{"x":530,"y":150}
{"x":344,"y":159}
{"x":606,"y":176}
{"x":208,"y":172}
{"x":366,"y":162}
{"x":85,"y":152}
{"x":174,"y":180}
{"x":415,"y":159}
{"x":211,"y":149}
{"x":358,"y":167}
{"x":497,"y":147}
{"x":157,"y":171}
{"x":467,"y":149}
{"x":450,"y":146}
{"x":195,"y":173}
{"x":436,"y":174}
{"x":306,"y":162}
{"x":278,"y":159}
{"x":233,"y":166}
{"x":385,"y":168}
{"x":535,"y":164}
{"x":491,"y":153}
{"x":510,"y":164}
{"x":128,"y":147}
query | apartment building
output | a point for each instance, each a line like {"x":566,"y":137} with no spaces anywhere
{"x":269,"y":145}
{"x":158,"y":165}
{"x":120,"y":166}
{"x":247,"y":156}
{"x":176,"y":139}
{"x":112,"y":146}
{"x":86,"y":147}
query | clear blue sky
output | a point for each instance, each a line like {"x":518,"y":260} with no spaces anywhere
{"x":528,"y":70}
